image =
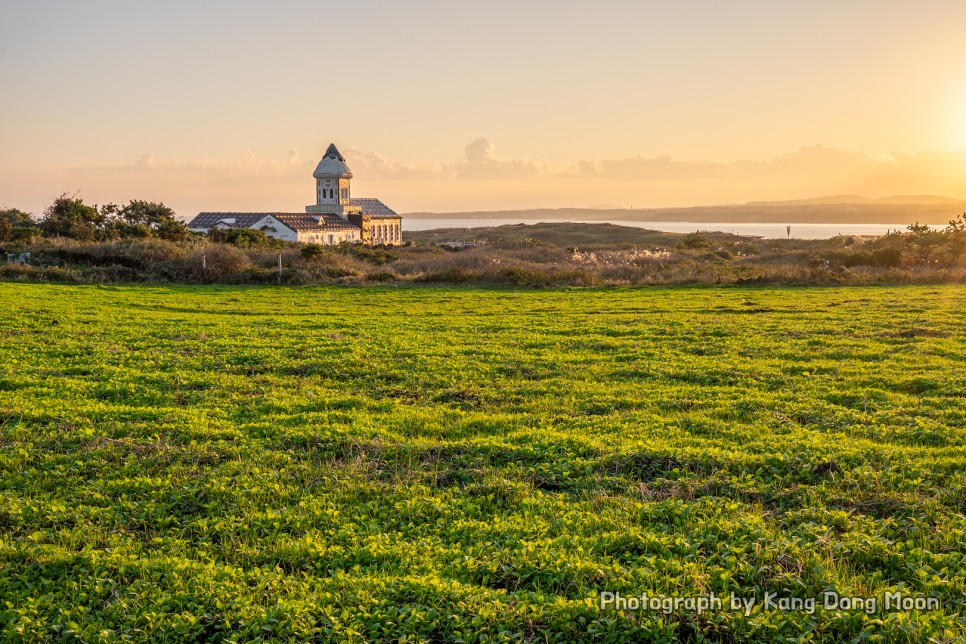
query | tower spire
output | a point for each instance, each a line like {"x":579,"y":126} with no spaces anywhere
{"x":332,"y":152}
{"x":332,"y":177}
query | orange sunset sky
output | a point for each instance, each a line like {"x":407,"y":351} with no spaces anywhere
{"x":455,"y":106}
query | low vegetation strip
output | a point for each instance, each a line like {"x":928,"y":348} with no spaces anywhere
{"x":227,"y":463}
{"x":144,"y":243}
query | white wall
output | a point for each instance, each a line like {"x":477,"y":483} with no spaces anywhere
{"x":282,"y":231}
{"x":315,"y":237}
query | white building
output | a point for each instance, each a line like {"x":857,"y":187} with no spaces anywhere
{"x":334,"y":218}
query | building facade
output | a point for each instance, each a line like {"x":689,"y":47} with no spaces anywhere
{"x":334,"y":218}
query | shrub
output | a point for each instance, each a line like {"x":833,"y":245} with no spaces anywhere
{"x":313,"y":251}
{"x":816,"y":261}
{"x":377,"y":255}
{"x":887,"y":257}
{"x":857,"y":259}
{"x":244,"y":237}
{"x":268,"y":258}
{"x":214,"y":262}
{"x":693,"y":241}
{"x":745,"y":248}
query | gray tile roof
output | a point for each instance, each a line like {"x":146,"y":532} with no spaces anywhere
{"x":294,"y":220}
{"x":233,"y":219}
{"x":374,"y":207}
{"x":305,"y":221}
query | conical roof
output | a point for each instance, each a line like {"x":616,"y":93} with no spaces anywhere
{"x":332,"y":165}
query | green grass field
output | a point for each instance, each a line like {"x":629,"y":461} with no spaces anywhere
{"x":446,"y":464}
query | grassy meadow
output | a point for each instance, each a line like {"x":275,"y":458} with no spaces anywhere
{"x":228,"y":463}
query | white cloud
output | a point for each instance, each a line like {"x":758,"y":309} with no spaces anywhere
{"x":481,"y":162}
{"x":661,"y":168}
{"x":247,"y":166}
{"x":810,"y":171}
{"x":375,"y":166}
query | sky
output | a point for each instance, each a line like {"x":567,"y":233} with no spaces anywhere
{"x":462,"y":106}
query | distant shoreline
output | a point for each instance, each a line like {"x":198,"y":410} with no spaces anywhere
{"x":808,"y":212}
{"x":763,"y":230}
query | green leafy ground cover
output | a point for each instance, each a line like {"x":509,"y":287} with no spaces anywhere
{"x":467,"y":464}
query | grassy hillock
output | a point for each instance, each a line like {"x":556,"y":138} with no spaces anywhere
{"x":226,"y":463}
{"x":585,"y":236}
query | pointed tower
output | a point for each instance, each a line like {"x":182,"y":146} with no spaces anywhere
{"x":332,"y":177}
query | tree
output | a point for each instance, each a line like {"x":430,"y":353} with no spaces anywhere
{"x":6,"y":229}
{"x":924,"y":241}
{"x":71,"y":217}
{"x":173,"y":230}
{"x":957,"y":226}
{"x":148,"y":219}
{"x":146,"y":213}
{"x":22,"y":227}
{"x":956,"y":232}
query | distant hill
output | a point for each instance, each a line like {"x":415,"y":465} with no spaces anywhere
{"x":836,"y":209}
{"x":921,"y":200}
{"x":816,"y":201}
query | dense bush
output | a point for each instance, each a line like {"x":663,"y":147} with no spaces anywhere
{"x":886,"y":257}
{"x":693,"y":241}
{"x":141,"y":254}
{"x":313,"y":251}
{"x":244,"y":237}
